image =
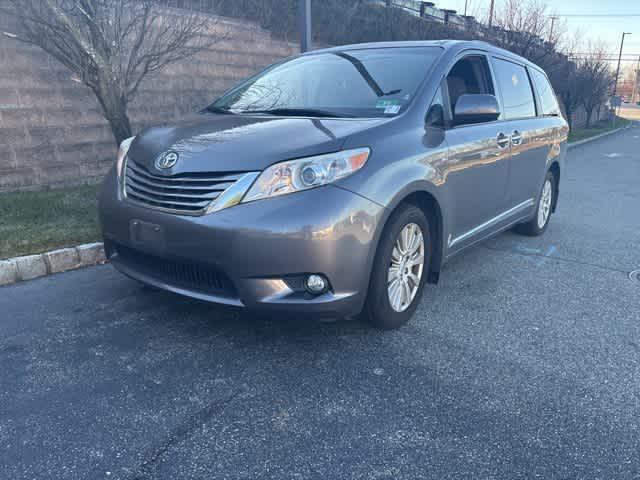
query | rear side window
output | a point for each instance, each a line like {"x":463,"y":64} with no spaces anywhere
{"x":548,"y":102}
{"x":517,"y":95}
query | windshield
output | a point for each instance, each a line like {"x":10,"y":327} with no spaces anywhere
{"x":353,"y":83}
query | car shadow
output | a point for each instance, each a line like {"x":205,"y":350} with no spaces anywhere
{"x":215,"y":317}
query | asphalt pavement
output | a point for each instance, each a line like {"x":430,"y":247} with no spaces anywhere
{"x":524,"y":362}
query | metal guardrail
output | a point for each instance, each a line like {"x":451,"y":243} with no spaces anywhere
{"x":429,"y":12}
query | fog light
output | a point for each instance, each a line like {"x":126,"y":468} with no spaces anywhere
{"x":316,"y":284}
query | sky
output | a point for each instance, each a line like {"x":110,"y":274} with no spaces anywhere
{"x":607,"y":29}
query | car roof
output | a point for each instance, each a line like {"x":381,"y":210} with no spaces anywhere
{"x":450,"y":45}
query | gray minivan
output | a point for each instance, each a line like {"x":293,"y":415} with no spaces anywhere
{"x":340,"y":181}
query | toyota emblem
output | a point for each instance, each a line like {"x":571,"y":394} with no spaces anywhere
{"x":167,"y":160}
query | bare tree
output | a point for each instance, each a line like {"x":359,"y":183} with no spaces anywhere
{"x":563,"y":73}
{"x":565,"y":82}
{"x":594,"y":79}
{"x":526,"y":28}
{"x":112,"y":45}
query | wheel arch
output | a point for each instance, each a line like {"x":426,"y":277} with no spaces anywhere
{"x":431,"y":208}
{"x":423,"y":196}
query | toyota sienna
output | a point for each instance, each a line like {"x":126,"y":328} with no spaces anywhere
{"x":340,"y":181}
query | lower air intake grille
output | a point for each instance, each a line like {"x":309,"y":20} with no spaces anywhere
{"x":192,"y":276}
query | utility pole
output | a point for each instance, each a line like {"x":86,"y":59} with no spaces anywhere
{"x":465,"y":7}
{"x":635,"y":82}
{"x":491,"y":5}
{"x":615,"y":84}
{"x":304,"y":15}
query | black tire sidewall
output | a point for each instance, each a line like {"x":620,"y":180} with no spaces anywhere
{"x":378,"y":308}
{"x":531,"y":228}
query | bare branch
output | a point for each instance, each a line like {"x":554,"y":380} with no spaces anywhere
{"x":113,"y":45}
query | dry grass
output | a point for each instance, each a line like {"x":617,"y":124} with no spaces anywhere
{"x":600,"y":127}
{"x":34,"y":222}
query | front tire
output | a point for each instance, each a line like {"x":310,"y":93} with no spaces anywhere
{"x":540,"y":221}
{"x":400,"y":269}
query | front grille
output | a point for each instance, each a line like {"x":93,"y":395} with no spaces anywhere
{"x":188,"y":193}
{"x":179,"y":273}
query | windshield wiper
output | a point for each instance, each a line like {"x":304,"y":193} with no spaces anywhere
{"x":301,"y":112}
{"x":224,"y":110}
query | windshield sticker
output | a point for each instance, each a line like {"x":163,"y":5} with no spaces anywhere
{"x":387,"y":103}
{"x":392,"y":109}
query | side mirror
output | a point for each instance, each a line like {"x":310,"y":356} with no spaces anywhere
{"x":435,"y":116}
{"x":476,"y":108}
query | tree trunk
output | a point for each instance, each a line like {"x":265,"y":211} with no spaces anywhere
{"x":589,"y":112}
{"x":114,"y":109}
{"x":120,"y":125}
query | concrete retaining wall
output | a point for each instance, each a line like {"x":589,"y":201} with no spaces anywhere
{"x":579,"y":119}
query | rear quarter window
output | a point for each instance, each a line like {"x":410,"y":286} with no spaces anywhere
{"x":517,"y":94}
{"x":548,"y":101}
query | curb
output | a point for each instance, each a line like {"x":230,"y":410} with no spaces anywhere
{"x":596,"y":137}
{"x":18,"y":269}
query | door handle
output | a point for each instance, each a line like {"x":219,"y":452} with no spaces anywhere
{"x":516,"y":137}
{"x":503,"y":140}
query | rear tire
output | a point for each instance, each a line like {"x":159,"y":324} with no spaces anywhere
{"x":400,"y":269}
{"x":544,"y":208}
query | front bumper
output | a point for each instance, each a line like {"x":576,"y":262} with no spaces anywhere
{"x":257,"y":251}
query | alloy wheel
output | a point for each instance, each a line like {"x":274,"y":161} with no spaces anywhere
{"x":407,"y":265}
{"x":544,"y":207}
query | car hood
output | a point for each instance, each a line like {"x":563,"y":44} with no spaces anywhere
{"x":240,"y":143}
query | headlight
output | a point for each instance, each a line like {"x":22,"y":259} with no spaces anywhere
{"x":122,"y":154}
{"x":297,"y":175}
